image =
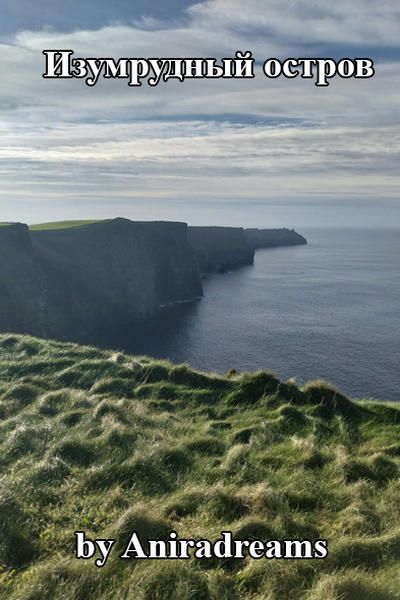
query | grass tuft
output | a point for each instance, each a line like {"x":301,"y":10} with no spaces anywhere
{"x":174,"y":582}
{"x":53,"y":402}
{"x":329,"y":401}
{"x":145,"y":526}
{"x":74,"y":452}
{"x":226,"y":507}
{"x":353,"y":585}
{"x":207,"y":446}
{"x":50,"y":471}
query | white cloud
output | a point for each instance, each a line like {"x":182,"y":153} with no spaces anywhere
{"x":175,"y":157}
{"x":357,"y":22}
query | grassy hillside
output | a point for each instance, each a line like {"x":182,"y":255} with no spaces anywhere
{"x":63,"y":225}
{"x":110,"y":444}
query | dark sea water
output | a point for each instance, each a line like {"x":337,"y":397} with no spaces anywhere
{"x":330,"y":309}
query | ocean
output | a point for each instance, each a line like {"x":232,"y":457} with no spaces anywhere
{"x":328,"y":310}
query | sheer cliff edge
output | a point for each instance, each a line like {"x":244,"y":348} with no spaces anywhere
{"x":65,"y":282}
{"x":69,"y":280}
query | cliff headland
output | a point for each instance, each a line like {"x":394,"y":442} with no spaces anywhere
{"x":65,"y":282}
{"x":272,"y":238}
{"x":68,"y":280}
{"x":220,"y":248}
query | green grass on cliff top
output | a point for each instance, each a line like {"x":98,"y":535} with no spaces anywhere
{"x":110,"y":444}
{"x":64,"y":224}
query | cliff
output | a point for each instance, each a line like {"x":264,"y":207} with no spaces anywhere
{"x":22,"y":282}
{"x":271,"y":238}
{"x":68,"y":283}
{"x":220,"y":248}
{"x":72,"y":280}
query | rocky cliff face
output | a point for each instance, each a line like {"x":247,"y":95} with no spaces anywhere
{"x":68,"y":283}
{"x":73,"y":283}
{"x":23,"y":286}
{"x":270,"y":238}
{"x":220,"y":248}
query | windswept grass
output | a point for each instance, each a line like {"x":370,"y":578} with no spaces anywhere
{"x":110,"y":444}
{"x":63,"y":224}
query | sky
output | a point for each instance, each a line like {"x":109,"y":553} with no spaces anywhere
{"x":242,"y":152}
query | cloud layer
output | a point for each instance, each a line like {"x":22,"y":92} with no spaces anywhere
{"x":64,"y":144}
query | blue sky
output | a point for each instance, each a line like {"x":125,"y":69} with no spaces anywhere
{"x":240,"y":152}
